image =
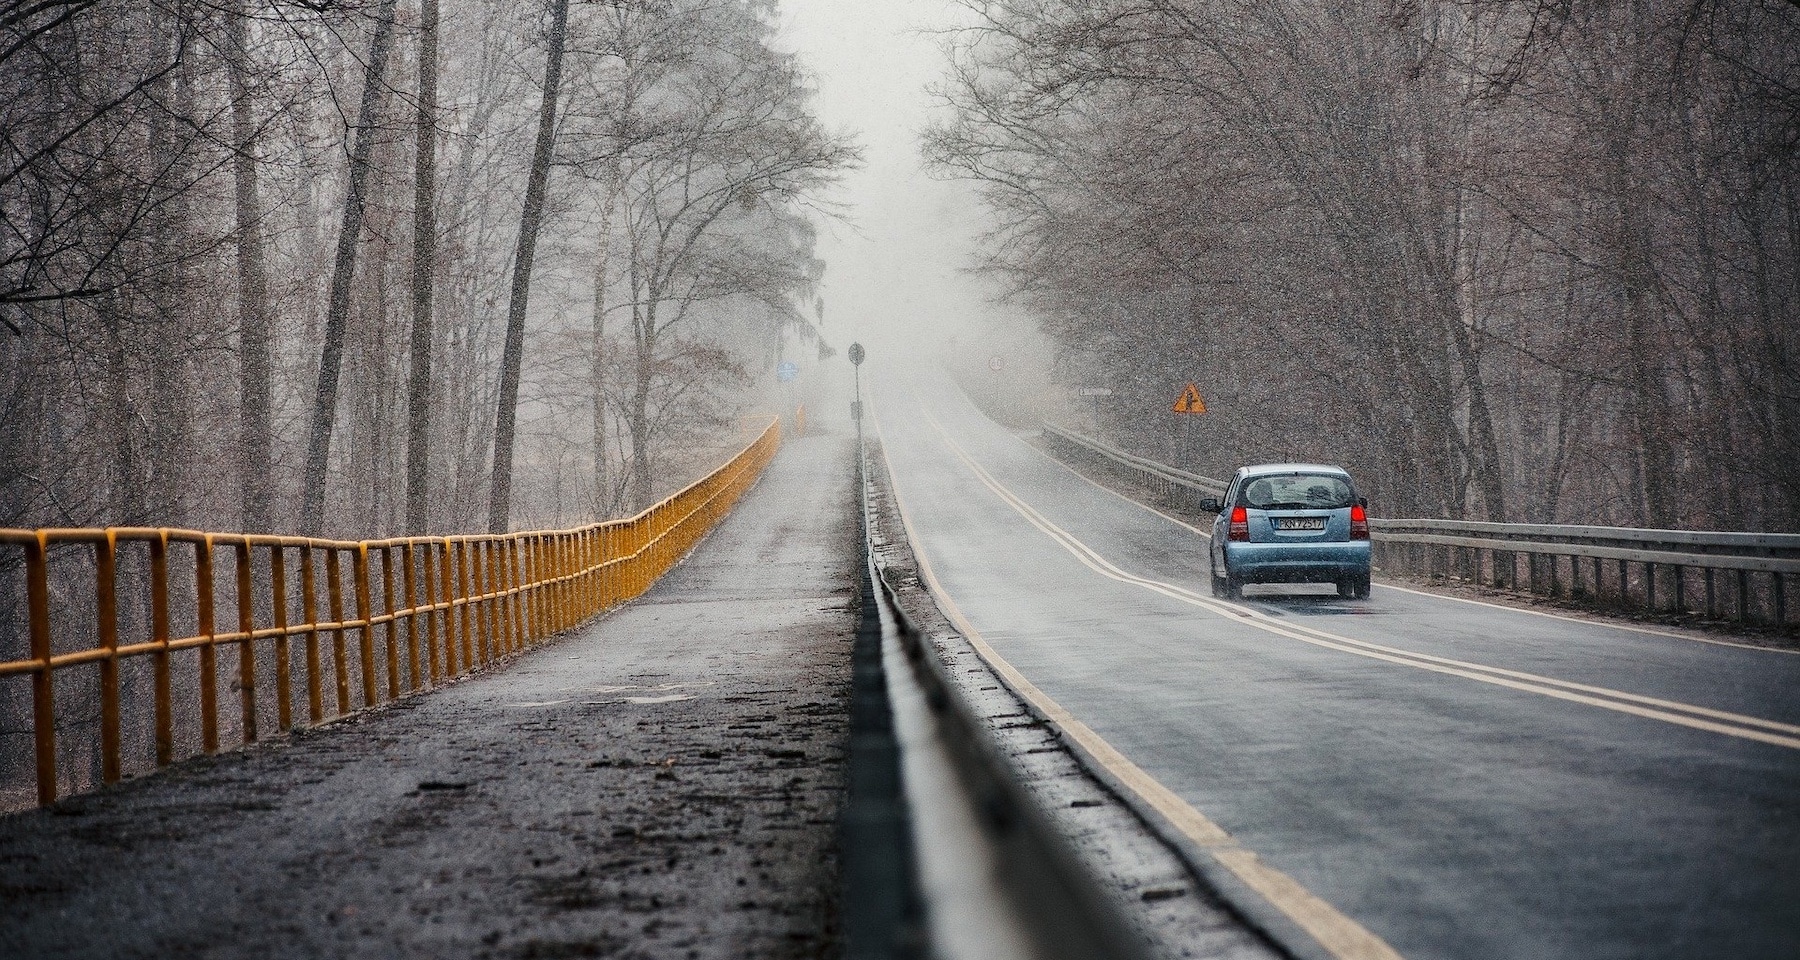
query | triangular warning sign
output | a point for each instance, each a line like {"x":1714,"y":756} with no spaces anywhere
{"x":1190,"y":401}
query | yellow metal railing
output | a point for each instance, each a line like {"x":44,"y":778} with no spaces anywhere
{"x":425,"y":610}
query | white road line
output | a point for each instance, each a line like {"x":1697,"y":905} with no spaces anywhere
{"x":1669,"y":711}
{"x":1340,"y":936}
{"x":1605,"y":624}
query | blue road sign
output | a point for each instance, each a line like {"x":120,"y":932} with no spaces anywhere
{"x":786,"y":371}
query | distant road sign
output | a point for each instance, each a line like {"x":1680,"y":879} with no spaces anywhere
{"x":786,"y":371}
{"x":856,"y":354}
{"x":997,"y":364}
{"x":1189,"y":401}
{"x":1096,"y":391}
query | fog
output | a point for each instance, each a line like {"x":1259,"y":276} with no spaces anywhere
{"x":896,"y":260}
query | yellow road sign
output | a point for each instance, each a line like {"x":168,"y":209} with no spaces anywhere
{"x":1189,"y":401}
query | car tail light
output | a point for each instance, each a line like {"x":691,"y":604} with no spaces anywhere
{"x":1240,"y":524}
{"x":1359,"y":523}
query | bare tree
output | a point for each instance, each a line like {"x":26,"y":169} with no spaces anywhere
{"x":337,"y":310}
{"x":424,"y":272}
{"x":530,"y":218}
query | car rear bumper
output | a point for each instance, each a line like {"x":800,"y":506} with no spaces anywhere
{"x":1296,"y":563}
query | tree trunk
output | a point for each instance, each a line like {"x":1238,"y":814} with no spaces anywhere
{"x":424,"y":268}
{"x":255,"y":360}
{"x":597,"y":370}
{"x":512,"y":359}
{"x":337,"y":309}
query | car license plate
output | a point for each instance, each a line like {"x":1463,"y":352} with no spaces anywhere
{"x":1299,"y":523}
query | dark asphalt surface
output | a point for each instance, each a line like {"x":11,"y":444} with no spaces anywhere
{"x":664,"y":782}
{"x":1451,"y":816}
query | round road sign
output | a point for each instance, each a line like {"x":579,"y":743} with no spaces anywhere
{"x":856,"y":354}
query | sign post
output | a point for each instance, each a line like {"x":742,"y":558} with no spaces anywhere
{"x":856,"y":358}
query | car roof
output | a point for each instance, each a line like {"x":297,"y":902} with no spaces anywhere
{"x":1262,"y":469}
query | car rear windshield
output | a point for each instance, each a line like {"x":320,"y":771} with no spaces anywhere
{"x":1298,"y":491}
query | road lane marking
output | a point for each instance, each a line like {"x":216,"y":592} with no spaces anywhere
{"x":1688,"y":715}
{"x":1340,"y":936}
{"x":1603,"y":624}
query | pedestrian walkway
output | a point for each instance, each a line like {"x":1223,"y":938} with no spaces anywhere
{"x":662,"y":783}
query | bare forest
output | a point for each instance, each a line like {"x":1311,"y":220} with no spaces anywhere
{"x":1505,"y":259}
{"x":371,"y":267}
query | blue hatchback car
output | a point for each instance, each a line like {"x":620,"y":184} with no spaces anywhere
{"x":1290,"y":523}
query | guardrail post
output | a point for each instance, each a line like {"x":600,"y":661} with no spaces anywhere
{"x":106,"y":610}
{"x":1743,"y":596}
{"x":159,"y":634}
{"x":43,"y":681}
{"x":284,"y":682}
{"x":1778,"y":598}
{"x":246,"y":604}
{"x":209,"y":683}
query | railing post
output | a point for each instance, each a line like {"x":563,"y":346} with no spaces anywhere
{"x":408,"y":560}
{"x":209,"y":682}
{"x":525,"y":565}
{"x":246,"y":603}
{"x":106,"y":609}
{"x":469,"y":616}
{"x":159,"y":634}
{"x":284,"y":681}
{"x":1778,"y":598}
{"x":565,"y":582}
{"x":455,"y":632}
{"x":43,"y":681}
{"x":520,"y":631}
{"x":483,"y":565}
{"x":391,"y":630}
{"x":364,"y":613}
{"x":309,"y":608}
{"x":340,"y":657}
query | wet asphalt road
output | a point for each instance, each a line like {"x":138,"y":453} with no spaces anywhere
{"x":662,"y":783}
{"x":1454,"y":810}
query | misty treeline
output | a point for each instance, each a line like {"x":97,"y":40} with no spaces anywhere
{"x":1529,"y":260}
{"x":364,"y":267}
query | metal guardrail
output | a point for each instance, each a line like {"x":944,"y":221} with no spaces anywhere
{"x":1168,"y":478}
{"x":459,"y":603}
{"x":947,"y":856}
{"x":1659,"y":570}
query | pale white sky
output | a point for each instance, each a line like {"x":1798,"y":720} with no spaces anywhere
{"x":893,"y":272}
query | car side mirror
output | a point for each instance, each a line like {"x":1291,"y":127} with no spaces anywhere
{"x":1211,"y":505}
